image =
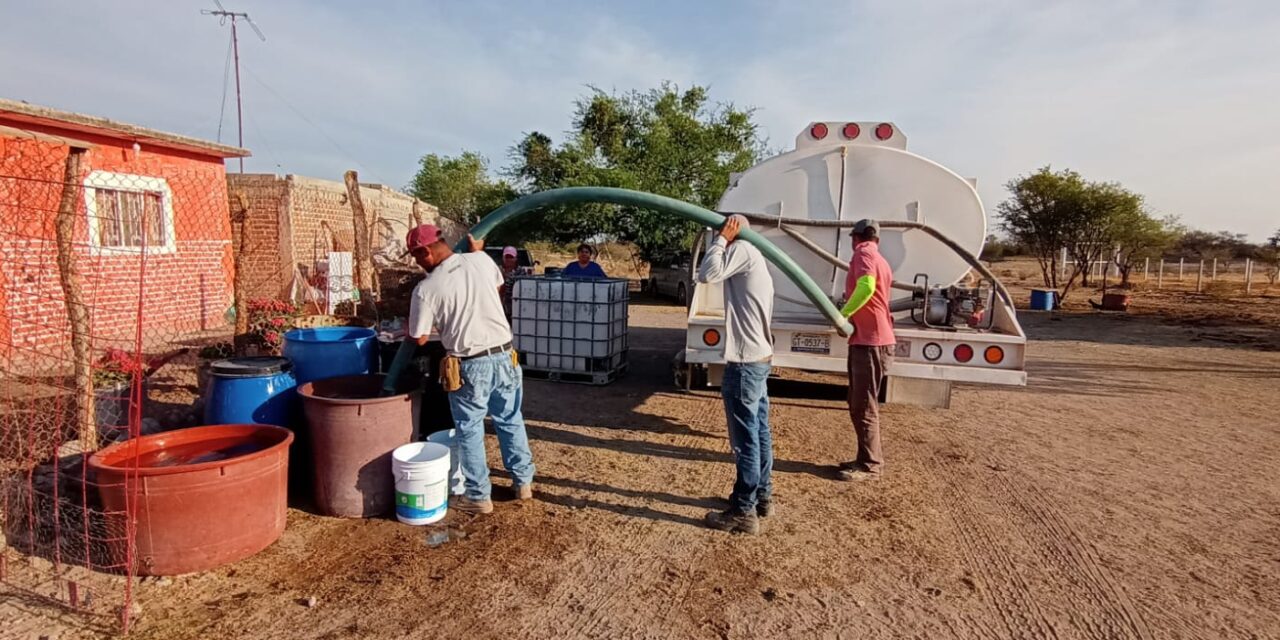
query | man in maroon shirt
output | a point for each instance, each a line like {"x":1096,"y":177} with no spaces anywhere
{"x":870,"y":346}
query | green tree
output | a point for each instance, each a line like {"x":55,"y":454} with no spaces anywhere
{"x":1041,"y":214}
{"x":1139,"y":236}
{"x":460,"y":187}
{"x":1269,"y":256}
{"x":666,"y":141}
{"x":1050,"y":211}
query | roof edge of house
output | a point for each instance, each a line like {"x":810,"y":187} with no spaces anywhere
{"x":83,"y":122}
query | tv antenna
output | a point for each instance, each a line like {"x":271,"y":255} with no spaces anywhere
{"x":223,"y":14}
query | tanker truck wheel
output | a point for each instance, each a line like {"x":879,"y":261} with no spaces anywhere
{"x":682,"y":296}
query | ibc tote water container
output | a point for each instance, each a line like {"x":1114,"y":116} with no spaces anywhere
{"x":571,"y":326}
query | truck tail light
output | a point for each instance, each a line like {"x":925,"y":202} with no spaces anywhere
{"x":884,"y":131}
{"x":963,"y":353}
{"x":711,"y":337}
{"x":851,"y":131}
{"x":818,"y":131}
{"x":993,"y":355}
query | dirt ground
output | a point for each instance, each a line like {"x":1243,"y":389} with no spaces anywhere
{"x":1129,"y":491}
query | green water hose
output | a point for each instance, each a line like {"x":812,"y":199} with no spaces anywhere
{"x":627,"y":197}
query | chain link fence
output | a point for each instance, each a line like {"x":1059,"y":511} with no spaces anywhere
{"x":124,"y":271}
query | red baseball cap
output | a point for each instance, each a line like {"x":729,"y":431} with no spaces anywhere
{"x":423,"y":235}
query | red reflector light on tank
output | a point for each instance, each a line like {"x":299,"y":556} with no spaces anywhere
{"x":884,"y":131}
{"x":711,"y":337}
{"x":851,"y":131}
{"x":818,"y":131}
{"x":963,"y":353}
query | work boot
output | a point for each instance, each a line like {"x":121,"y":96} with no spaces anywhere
{"x":734,"y":521}
{"x":764,"y":508}
{"x":857,"y":475}
{"x":467,"y":505}
{"x":524,"y":491}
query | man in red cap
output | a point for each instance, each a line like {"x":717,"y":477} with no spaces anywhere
{"x":459,"y":300}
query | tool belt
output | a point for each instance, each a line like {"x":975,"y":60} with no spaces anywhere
{"x":451,"y":366}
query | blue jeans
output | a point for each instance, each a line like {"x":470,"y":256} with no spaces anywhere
{"x":491,"y":386}
{"x":746,"y":404}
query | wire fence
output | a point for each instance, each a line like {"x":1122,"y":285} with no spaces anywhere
{"x":1248,"y":275}
{"x":123,"y":274}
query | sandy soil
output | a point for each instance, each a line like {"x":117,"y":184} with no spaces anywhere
{"x":1128,"y":491}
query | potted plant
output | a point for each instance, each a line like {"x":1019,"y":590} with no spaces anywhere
{"x":268,"y":321}
{"x":113,"y":376}
{"x":112,"y":381}
{"x":208,"y":354}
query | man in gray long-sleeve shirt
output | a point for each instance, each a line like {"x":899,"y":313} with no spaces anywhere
{"x":748,"y":345}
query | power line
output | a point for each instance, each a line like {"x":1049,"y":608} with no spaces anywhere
{"x":226,"y":76}
{"x":309,"y":121}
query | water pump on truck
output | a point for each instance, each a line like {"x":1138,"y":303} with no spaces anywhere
{"x":954,"y":321}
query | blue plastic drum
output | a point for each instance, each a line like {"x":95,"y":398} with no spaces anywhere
{"x":251,"y":390}
{"x":329,"y":352}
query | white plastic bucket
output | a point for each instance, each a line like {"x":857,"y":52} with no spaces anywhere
{"x":421,"y":470}
{"x":448,"y":438}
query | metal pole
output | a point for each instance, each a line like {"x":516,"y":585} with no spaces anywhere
{"x":1181,"y":262}
{"x":1160,"y":275}
{"x":235,"y":47}
{"x":1214,"y":276}
{"x":1146,"y":269}
{"x":1248,"y":275}
{"x":1200,"y":277}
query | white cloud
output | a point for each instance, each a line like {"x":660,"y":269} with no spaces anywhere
{"x":1172,"y":99}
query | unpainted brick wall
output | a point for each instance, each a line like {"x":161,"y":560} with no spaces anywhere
{"x":295,"y":221}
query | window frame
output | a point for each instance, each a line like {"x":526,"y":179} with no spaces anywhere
{"x":129,"y":183}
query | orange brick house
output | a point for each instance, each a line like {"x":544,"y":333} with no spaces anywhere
{"x":151,"y":232}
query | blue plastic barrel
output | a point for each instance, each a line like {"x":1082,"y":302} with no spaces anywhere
{"x":1042,"y":299}
{"x":329,"y":352}
{"x":251,"y":390}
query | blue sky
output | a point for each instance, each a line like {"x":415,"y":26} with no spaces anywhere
{"x":1177,"y":100}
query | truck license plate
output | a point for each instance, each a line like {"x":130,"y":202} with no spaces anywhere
{"x":811,"y":343}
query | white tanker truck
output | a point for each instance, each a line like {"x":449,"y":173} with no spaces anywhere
{"x":954,"y":321}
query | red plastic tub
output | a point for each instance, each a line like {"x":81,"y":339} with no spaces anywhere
{"x":206,"y":496}
{"x":353,"y":430}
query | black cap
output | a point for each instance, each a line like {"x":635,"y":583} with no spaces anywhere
{"x":860,"y":227}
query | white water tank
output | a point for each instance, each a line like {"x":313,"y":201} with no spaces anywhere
{"x":832,"y":176}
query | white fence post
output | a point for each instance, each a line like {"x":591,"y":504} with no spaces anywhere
{"x":1214,"y":276}
{"x":1160,"y":275}
{"x":1248,"y":275}
{"x":1181,"y":263}
{"x":1146,"y":270}
{"x":1200,"y":278}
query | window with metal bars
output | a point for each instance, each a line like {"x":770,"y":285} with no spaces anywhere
{"x":129,"y":213}
{"x":129,"y":219}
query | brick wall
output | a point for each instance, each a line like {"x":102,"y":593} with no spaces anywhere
{"x":265,"y":275}
{"x":188,"y":289}
{"x":309,"y":215}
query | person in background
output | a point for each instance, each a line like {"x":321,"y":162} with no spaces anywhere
{"x":748,"y":352}
{"x":870,"y":347}
{"x":510,"y":270}
{"x":585,"y":267}
{"x":459,"y":297}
